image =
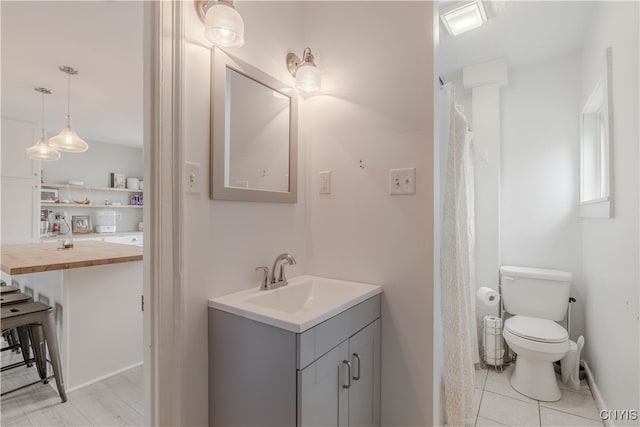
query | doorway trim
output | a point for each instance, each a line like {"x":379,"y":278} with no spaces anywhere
{"x":164,"y":47}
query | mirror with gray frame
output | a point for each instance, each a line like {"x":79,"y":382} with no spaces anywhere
{"x":254,"y":133}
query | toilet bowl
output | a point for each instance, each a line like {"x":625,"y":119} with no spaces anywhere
{"x":538,"y":343}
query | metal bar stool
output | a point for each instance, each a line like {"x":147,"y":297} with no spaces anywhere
{"x":32,"y":314}
{"x":8,"y":289}
{"x":10,"y":334}
{"x":23,"y":331}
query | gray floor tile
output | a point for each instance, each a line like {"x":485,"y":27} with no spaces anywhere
{"x":553,"y":418}
{"x":509,"y":411}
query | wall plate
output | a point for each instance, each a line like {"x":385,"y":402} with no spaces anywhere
{"x":402,"y":181}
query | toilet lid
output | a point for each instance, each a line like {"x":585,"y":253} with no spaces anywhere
{"x":534,"y":329}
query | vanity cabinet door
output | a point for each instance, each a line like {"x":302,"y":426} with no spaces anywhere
{"x":323,"y":401}
{"x":364,"y":393}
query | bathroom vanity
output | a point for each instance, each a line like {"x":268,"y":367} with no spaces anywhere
{"x":307,"y":354}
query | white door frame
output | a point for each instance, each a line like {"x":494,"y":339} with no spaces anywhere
{"x":164,"y":43}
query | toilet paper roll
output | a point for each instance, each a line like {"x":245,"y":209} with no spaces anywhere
{"x":492,"y":340}
{"x":488,"y":296}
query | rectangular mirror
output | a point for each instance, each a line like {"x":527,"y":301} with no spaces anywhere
{"x":254,"y":133}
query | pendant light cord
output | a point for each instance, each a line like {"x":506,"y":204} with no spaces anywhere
{"x":42,"y":119}
{"x":42,"y":122}
{"x":68,"y":95}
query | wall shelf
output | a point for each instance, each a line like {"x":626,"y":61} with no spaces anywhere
{"x":88,"y":187}
{"x":74,"y":205}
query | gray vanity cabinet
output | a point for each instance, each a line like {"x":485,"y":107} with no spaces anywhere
{"x":350,"y":398}
{"x":364,"y":393}
{"x":322,"y":399}
{"x":328,"y":375}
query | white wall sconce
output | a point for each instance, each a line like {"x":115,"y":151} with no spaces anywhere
{"x":464,"y":18}
{"x":223,"y":25}
{"x":307,"y":74}
{"x":41,"y":150}
{"x":68,"y":140}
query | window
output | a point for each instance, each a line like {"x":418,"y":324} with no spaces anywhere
{"x":596,"y":140}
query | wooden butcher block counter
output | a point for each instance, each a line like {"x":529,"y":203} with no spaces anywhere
{"x":40,"y":257}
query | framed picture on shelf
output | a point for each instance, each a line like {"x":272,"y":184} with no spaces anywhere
{"x":117,"y":180}
{"x":49,"y":195}
{"x":81,"y":224}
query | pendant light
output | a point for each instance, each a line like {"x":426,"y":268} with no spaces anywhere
{"x":68,"y":139}
{"x":223,"y":25}
{"x":41,"y":150}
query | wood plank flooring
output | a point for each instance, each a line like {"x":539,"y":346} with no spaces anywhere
{"x":116,"y":401}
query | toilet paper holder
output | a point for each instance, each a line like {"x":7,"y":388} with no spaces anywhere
{"x":492,"y":334}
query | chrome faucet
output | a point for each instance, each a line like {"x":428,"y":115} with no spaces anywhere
{"x":277,"y":277}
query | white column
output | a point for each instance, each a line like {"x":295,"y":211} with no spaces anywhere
{"x":485,"y":80}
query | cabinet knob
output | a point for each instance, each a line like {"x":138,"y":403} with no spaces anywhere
{"x":346,"y":362}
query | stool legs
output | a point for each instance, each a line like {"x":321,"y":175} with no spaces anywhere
{"x":14,"y":338}
{"x":40,"y":319}
{"x":38,"y":343}
{"x":23,"y":335}
{"x":49,"y":325}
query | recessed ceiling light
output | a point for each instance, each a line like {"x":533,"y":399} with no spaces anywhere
{"x":464,"y":18}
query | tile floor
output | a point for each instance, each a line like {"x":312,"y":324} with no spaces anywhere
{"x":496,"y":403}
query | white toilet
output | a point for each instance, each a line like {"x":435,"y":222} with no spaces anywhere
{"x":537,"y":299}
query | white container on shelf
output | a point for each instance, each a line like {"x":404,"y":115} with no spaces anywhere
{"x":133,"y":183}
{"x":106,"y":221}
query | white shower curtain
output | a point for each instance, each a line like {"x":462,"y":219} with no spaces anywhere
{"x":457,"y":265}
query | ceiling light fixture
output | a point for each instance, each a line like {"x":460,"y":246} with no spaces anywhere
{"x":464,"y":18}
{"x":223,"y":25}
{"x":307,"y":74}
{"x":68,"y":140}
{"x":41,"y":150}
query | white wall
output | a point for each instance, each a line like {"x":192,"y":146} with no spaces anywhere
{"x":94,"y":165}
{"x":223,"y":240}
{"x":377,"y":106}
{"x":610,"y":247}
{"x":540,"y":225}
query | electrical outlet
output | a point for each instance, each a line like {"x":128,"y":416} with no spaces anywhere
{"x":402,"y":181}
{"x":192,"y":178}
{"x":325,"y":182}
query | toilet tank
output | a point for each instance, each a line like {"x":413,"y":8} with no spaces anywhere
{"x":535,"y":292}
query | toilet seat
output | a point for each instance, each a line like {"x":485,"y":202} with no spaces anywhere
{"x":534,"y":329}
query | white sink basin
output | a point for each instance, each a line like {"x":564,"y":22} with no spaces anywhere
{"x":305,"y":302}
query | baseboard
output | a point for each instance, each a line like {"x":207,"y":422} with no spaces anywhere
{"x":104,"y":377}
{"x":596,"y":393}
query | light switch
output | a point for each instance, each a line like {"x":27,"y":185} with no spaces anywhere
{"x":192,"y":178}
{"x":402,"y":181}
{"x":325,"y":182}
